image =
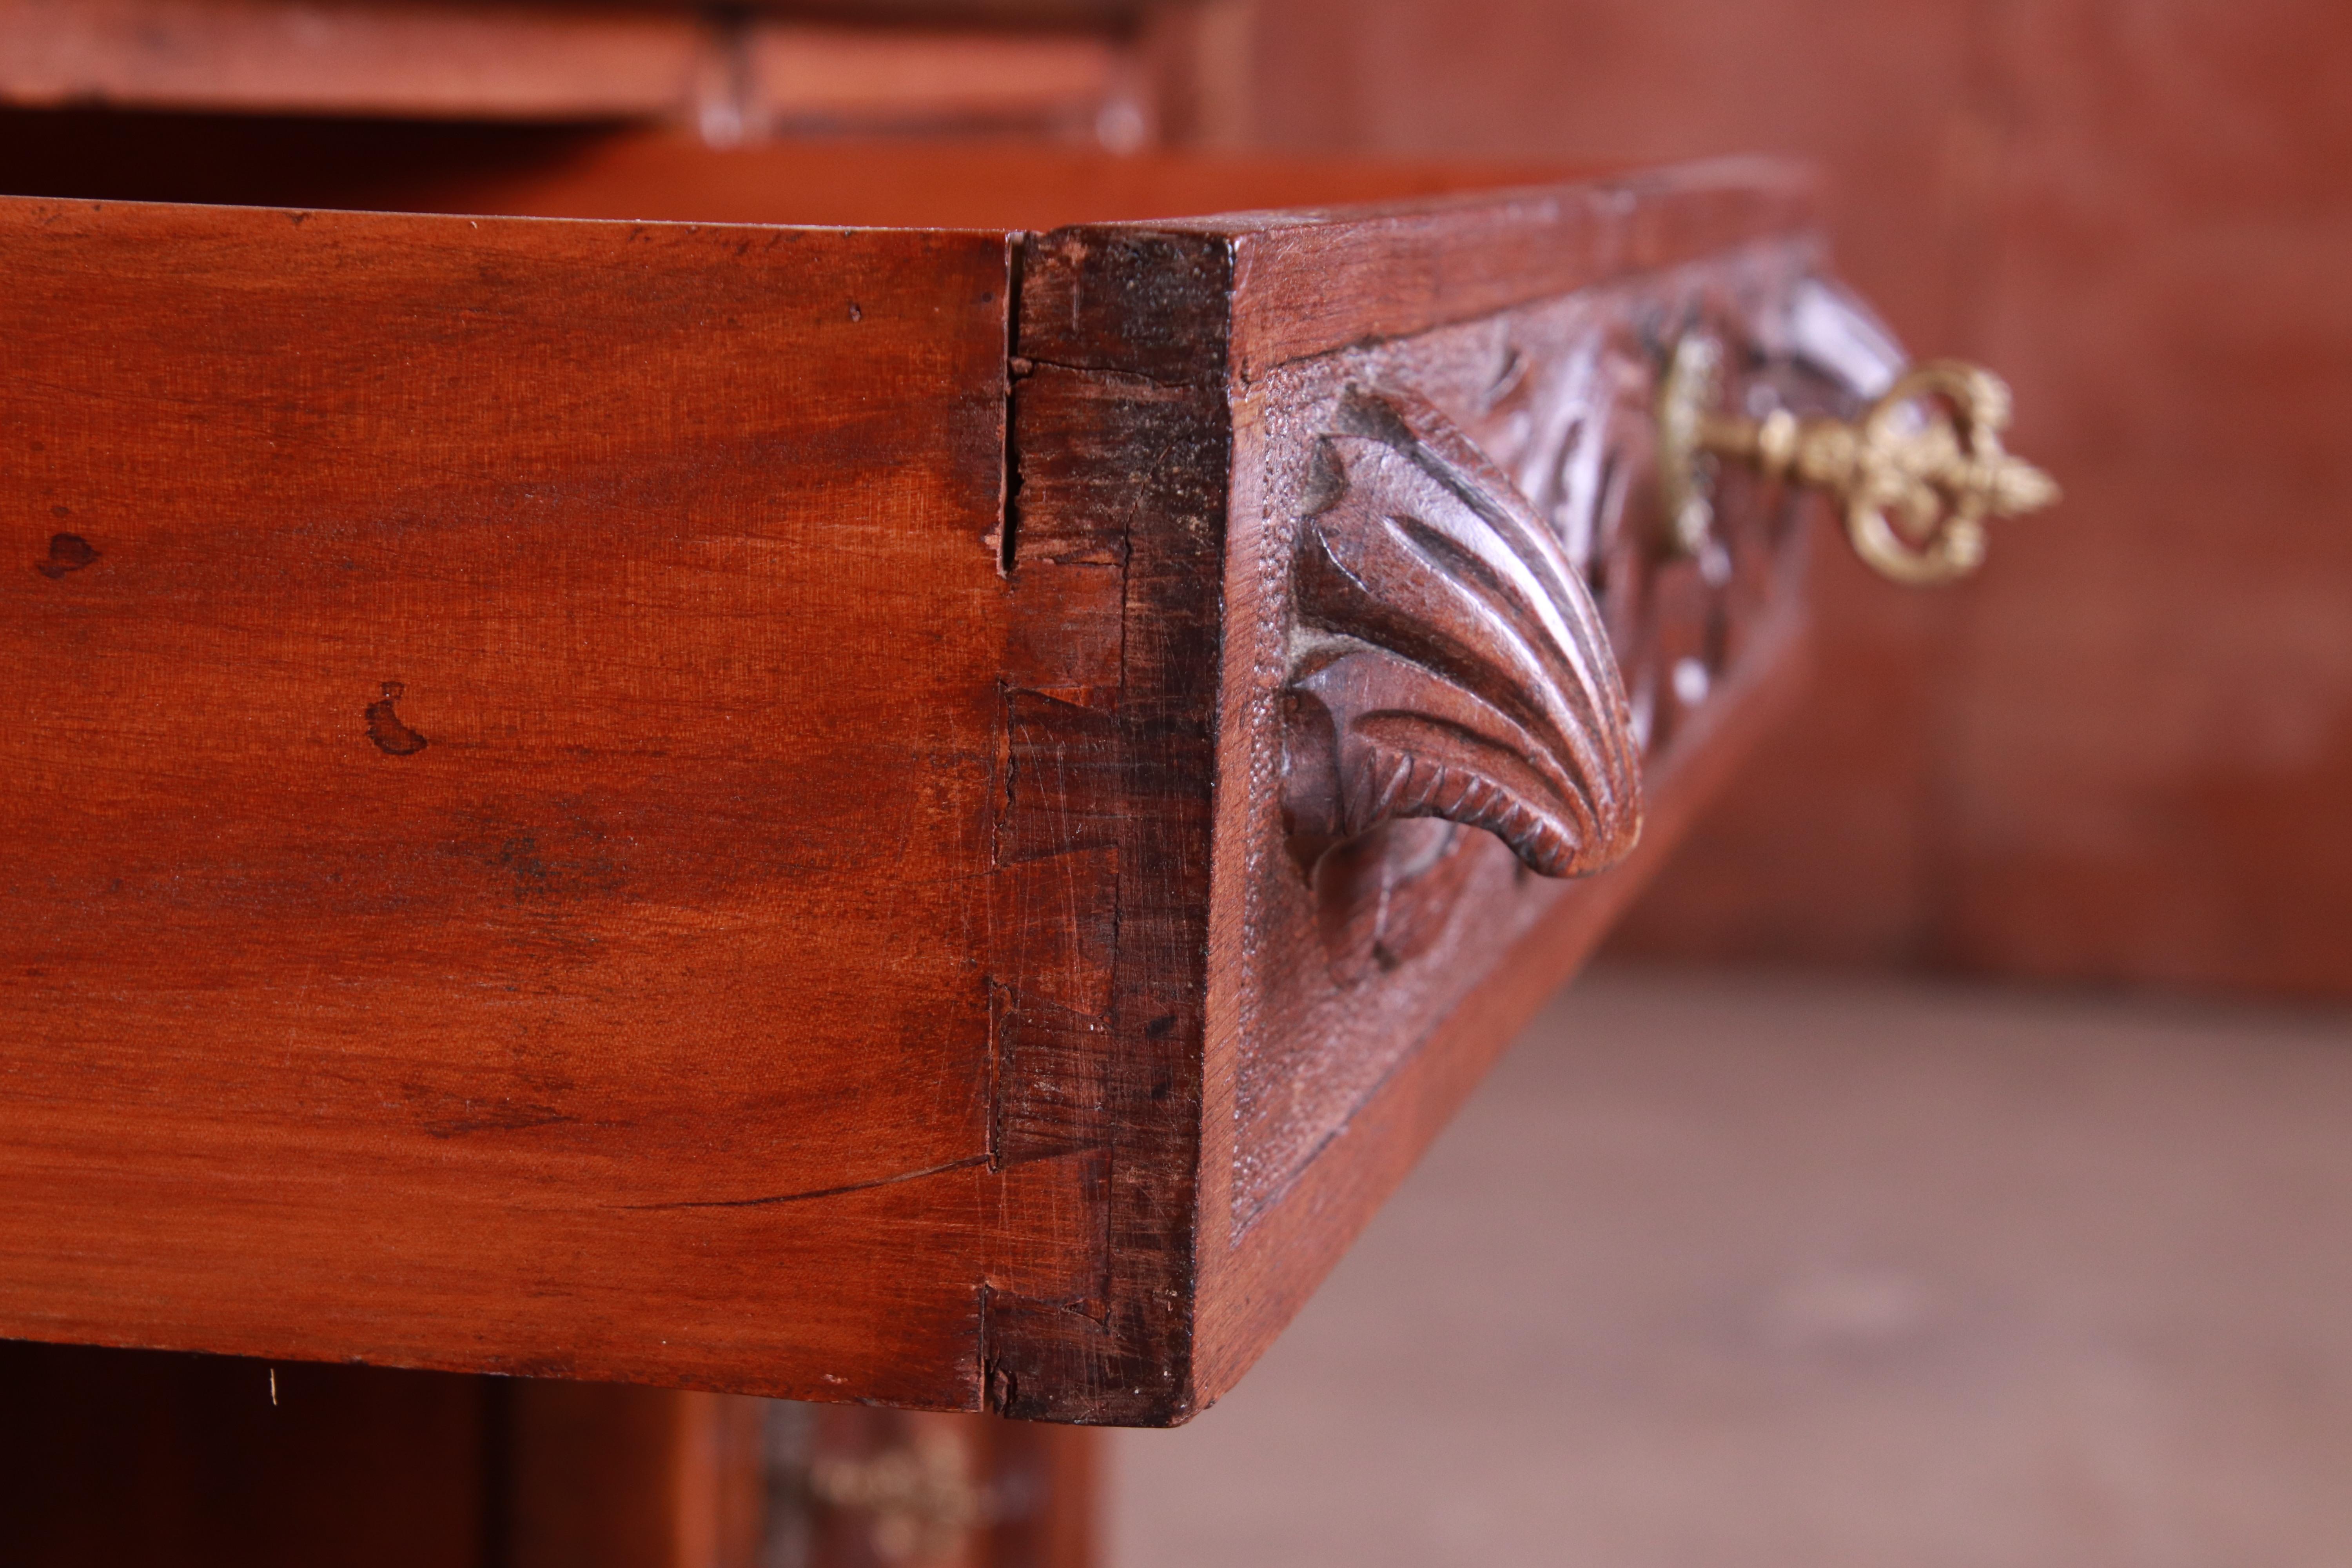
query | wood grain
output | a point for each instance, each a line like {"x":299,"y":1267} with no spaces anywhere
{"x":1115,"y":799}
{"x":460,"y":884}
{"x":1311,"y":283}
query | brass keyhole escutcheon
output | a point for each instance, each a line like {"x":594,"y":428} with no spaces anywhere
{"x":1916,"y":476}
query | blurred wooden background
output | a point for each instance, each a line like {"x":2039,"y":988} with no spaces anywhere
{"x":2125,"y":752}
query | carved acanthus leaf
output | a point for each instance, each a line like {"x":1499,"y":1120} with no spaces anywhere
{"x":1448,"y":659}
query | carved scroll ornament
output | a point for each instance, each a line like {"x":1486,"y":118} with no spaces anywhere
{"x":1448,"y":660}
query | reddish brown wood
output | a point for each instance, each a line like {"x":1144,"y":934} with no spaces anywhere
{"x":725,"y":71}
{"x":1346,"y":987}
{"x":451,"y":904}
{"x":1137,"y":325}
{"x":1267,"y":1274}
{"x":571,"y":172}
{"x":800,"y":75}
{"x":1308,"y":283}
{"x":368,"y":56}
{"x":1305,"y":283}
{"x":1050,"y":1480}
{"x":934,"y":184}
{"x":668,"y":803}
{"x":601,"y":1476}
{"x":1108,"y":808}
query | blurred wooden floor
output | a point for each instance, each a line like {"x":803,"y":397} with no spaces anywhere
{"x":1752,"y":1271}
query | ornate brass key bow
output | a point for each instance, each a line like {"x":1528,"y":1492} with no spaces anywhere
{"x":1916,"y":475}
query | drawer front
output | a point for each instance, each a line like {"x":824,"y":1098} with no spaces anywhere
{"x":1350,"y":954}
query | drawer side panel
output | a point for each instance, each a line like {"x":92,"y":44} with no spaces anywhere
{"x":500,"y":731}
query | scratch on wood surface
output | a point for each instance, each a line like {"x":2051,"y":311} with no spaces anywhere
{"x":773,"y":1198}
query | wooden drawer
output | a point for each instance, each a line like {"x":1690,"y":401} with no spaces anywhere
{"x":787,"y":809}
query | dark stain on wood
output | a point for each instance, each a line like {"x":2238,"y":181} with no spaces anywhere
{"x":394,"y":738}
{"x":68,"y":553}
{"x":1124,"y":334}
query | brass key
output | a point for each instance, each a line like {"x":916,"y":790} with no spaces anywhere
{"x":1917,"y":474}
